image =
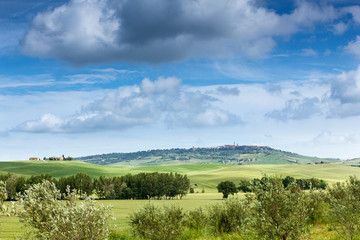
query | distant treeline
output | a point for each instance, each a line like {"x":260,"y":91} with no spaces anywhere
{"x":140,"y":186}
{"x":303,"y":183}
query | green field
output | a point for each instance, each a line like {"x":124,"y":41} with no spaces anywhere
{"x":10,"y":227}
{"x":206,"y":176}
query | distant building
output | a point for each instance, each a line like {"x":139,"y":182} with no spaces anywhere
{"x":34,"y":159}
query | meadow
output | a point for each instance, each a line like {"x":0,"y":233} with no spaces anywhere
{"x":206,"y":176}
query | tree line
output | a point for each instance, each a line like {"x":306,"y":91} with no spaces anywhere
{"x":229,"y":187}
{"x":139,"y":186}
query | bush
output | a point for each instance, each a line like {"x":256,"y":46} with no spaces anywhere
{"x":51,"y":218}
{"x":196,"y":219}
{"x":3,"y":197}
{"x":228,"y":217}
{"x":279,"y":213}
{"x":158,"y":223}
{"x":344,"y":208}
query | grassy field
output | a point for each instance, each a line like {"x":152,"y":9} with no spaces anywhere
{"x":207,"y":176}
{"x":11,"y":228}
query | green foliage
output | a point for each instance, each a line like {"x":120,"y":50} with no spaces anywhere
{"x":304,"y":184}
{"x":228,"y":217}
{"x":226,"y":188}
{"x":344,"y":208}
{"x":83,"y":184}
{"x":279,"y":213}
{"x":196,"y":219}
{"x":244,"y":186}
{"x":158,"y":223}
{"x":51,"y":218}
{"x":318,"y":207}
{"x":3,"y":197}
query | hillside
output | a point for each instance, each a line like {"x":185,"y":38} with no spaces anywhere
{"x":227,"y":154}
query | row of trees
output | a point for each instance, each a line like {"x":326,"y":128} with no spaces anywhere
{"x":229,"y":187}
{"x":140,"y":186}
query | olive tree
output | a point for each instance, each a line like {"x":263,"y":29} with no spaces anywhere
{"x":51,"y":218}
{"x":344,"y":208}
{"x":279,"y":213}
{"x":158,"y":223}
{"x":3,"y":197}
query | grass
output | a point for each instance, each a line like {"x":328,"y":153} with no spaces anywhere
{"x":206,"y":176}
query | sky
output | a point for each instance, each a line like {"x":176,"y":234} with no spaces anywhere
{"x":83,"y":77}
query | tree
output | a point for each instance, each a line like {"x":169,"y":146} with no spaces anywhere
{"x":226,"y":188}
{"x":158,"y":223}
{"x":279,"y":213}
{"x":3,"y":196}
{"x":344,"y":208}
{"x":51,"y":218}
{"x":288,"y":181}
{"x":244,"y":186}
{"x":228,"y":217}
{"x":83,"y":184}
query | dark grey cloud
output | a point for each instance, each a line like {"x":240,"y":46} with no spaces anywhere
{"x":158,"y":31}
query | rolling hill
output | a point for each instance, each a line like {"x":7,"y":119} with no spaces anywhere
{"x":205,"y":175}
{"x":227,"y":154}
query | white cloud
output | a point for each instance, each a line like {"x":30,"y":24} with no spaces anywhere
{"x":296,"y":109}
{"x":85,"y":31}
{"x":345,"y":88}
{"x":353,"y":47}
{"x":328,"y":137}
{"x":47,"y":123}
{"x":308,"y":52}
{"x":355,"y":12}
{"x":150,"y":103}
{"x":340,"y":28}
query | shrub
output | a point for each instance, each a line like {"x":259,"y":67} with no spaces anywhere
{"x":158,"y":223}
{"x":51,"y":218}
{"x":279,"y":213}
{"x":318,"y":207}
{"x":196,"y":219}
{"x":228,"y":217}
{"x":3,"y":196}
{"x":344,"y":208}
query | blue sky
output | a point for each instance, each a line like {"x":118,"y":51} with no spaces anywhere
{"x":83,"y":77}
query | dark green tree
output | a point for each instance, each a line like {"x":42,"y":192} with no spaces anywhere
{"x":226,"y":188}
{"x":83,"y":184}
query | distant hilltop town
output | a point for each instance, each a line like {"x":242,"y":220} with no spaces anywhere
{"x":62,"y":158}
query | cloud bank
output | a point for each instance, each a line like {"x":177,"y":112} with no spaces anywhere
{"x":164,"y":101}
{"x":158,"y":31}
